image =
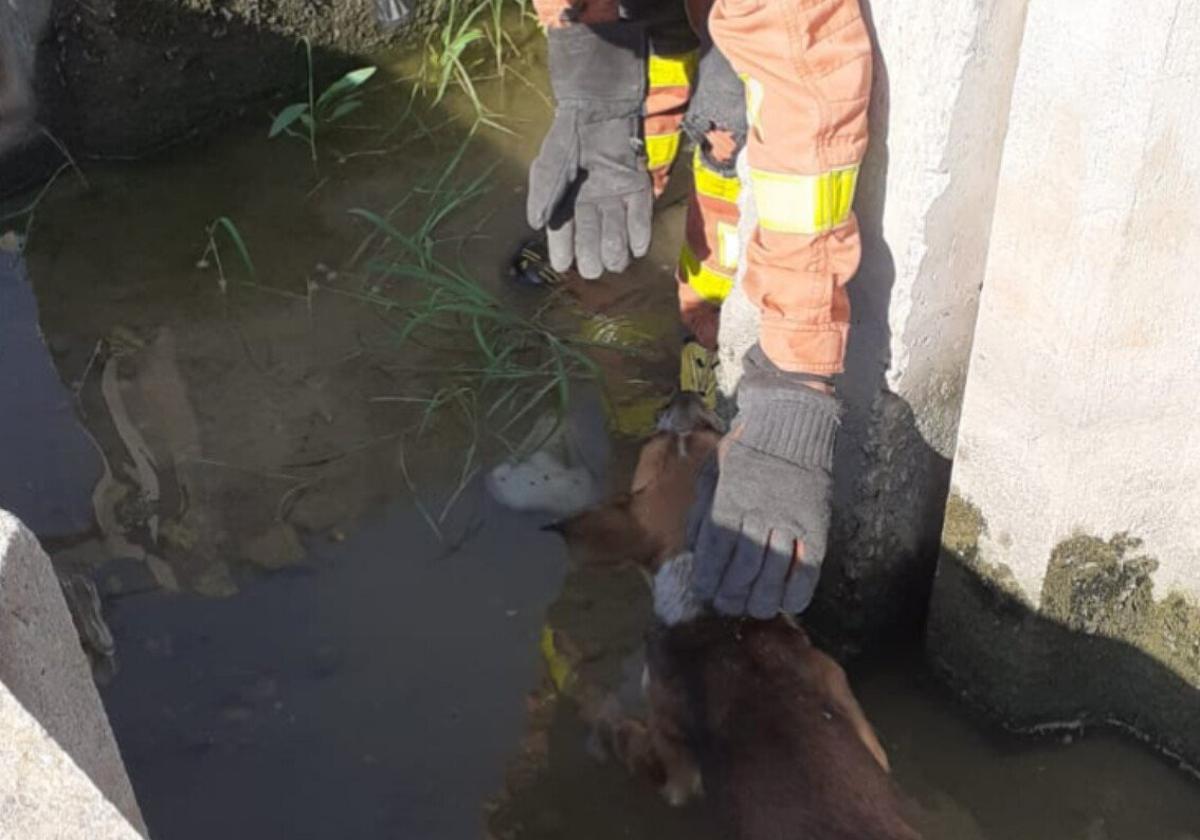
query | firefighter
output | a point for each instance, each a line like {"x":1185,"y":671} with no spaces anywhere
{"x":781,"y":86}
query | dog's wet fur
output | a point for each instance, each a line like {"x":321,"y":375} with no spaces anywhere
{"x":646,"y":525}
{"x":749,"y":712}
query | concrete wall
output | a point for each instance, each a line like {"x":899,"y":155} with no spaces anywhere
{"x":1079,"y":420}
{"x":60,"y":772}
{"x":943,"y":76}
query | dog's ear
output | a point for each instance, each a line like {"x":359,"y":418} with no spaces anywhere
{"x":607,"y":535}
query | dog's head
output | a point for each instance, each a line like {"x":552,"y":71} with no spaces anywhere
{"x":645,"y":526}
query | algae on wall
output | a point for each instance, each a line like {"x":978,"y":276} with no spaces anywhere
{"x":1105,"y":588}
{"x":962,"y":530}
{"x":1097,"y":650}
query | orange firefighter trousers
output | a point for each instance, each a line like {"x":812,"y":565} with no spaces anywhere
{"x":806,"y":70}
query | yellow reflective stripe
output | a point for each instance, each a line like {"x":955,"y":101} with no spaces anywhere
{"x":728,"y":245}
{"x":711,"y":285}
{"x":754,"y":101}
{"x":714,"y":184}
{"x":556,"y":663}
{"x":804,"y":203}
{"x":661,"y":149}
{"x":672,"y":70}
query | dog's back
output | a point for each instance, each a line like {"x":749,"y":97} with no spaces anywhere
{"x":779,"y":749}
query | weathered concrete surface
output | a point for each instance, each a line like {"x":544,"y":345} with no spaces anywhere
{"x":1078,"y":425}
{"x":943,"y":76}
{"x":124,"y":77}
{"x":60,"y":773}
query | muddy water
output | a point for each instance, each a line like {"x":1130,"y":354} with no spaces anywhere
{"x":298,"y":655}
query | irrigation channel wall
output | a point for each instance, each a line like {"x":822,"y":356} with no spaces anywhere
{"x":1017,"y":470}
{"x":1018,"y":467}
{"x":60,"y":772}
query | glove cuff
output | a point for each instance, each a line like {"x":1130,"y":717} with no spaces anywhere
{"x":783,"y":417}
{"x":599,"y":70}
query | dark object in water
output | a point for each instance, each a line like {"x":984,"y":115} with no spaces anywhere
{"x":530,"y":265}
{"x":83,"y":602}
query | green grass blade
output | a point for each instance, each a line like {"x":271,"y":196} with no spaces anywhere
{"x":348,"y":106}
{"x":349,"y":82}
{"x":235,"y":235}
{"x":286,"y":117}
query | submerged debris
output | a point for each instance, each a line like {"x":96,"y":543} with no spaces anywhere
{"x":558,"y":469}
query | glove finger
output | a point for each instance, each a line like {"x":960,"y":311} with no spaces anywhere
{"x":639,"y":214}
{"x":587,"y":241}
{"x":560,"y":242}
{"x":553,"y":170}
{"x":767,"y":594}
{"x":744,"y":569}
{"x":714,"y":548}
{"x":806,"y":571}
{"x":614,"y":241}
{"x":706,"y":488}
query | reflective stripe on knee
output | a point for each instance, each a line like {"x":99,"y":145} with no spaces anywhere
{"x":672,"y":70}
{"x":712,"y":184}
{"x":661,"y":149}
{"x":712,"y":285}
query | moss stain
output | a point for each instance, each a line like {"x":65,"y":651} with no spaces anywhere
{"x":962,"y":530}
{"x":1105,"y":587}
{"x":963,"y":527}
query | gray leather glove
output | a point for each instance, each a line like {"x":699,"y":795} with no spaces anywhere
{"x":759,"y":527}
{"x":589,"y":184}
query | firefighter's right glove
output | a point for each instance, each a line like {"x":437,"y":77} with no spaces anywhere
{"x":589,"y":186}
{"x":759,"y":531}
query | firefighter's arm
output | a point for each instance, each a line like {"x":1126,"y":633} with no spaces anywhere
{"x":806,"y":65}
{"x":807,"y":70}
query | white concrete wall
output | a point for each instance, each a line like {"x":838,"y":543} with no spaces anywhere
{"x":61,"y":775}
{"x":943,"y":76}
{"x":1081,"y":408}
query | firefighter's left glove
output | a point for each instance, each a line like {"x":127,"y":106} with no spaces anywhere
{"x":759,"y":538}
{"x":589,"y":185}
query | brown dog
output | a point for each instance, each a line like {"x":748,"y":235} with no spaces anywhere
{"x":646,"y":525}
{"x":752,"y":708}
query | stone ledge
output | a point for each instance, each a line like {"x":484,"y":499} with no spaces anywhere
{"x":60,"y":772}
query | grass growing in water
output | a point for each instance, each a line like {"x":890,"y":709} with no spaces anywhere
{"x":497,"y":369}
{"x":502,"y":365}
{"x":454,"y":52}
{"x":224,"y":224}
{"x":337,"y":101}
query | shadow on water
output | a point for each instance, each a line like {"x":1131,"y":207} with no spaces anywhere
{"x":373,"y":691}
{"x":307,"y":660}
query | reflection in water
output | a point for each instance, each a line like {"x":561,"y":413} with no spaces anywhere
{"x":300,"y":657}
